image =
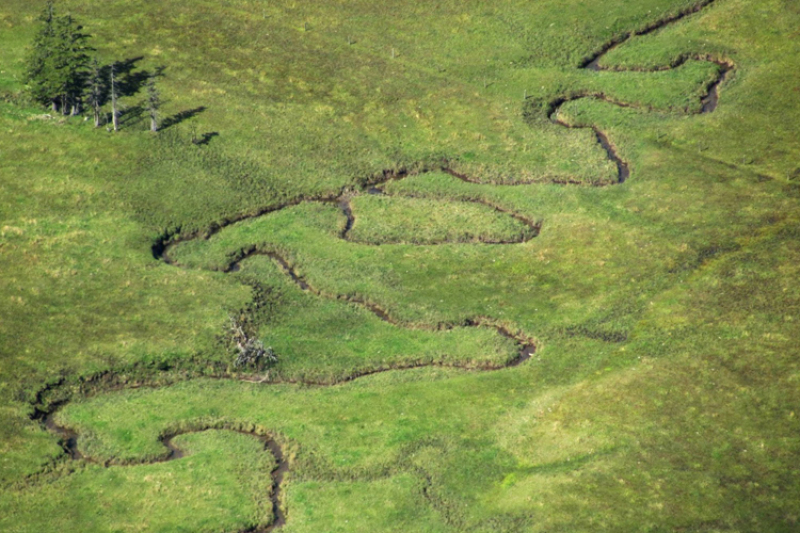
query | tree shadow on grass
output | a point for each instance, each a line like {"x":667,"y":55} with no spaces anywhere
{"x":129,"y":116}
{"x":129,"y":81}
{"x":132,"y":115}
{"x":177,"y":118}
{"x":205,"y":138}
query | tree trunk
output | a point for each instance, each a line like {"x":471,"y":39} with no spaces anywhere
{"x":114,"y":113}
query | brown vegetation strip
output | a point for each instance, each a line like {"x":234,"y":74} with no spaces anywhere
{"x":527,"y":345}
{"x":344,"y":204}
{"x":592,"y":61}
{"x":371,"y":184}
{"x":709,"y":101}
{"x":68,"y":438}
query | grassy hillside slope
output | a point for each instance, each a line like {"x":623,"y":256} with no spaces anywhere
{"x":401,"y":199}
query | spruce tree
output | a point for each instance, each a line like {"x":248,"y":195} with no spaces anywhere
{"x":73,"y":62}
{"x":95,"y":95}
{"x":56,"y":65}
{"x":40,"y":73}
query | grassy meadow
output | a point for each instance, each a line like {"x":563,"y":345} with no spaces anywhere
{"x":663,"y":395}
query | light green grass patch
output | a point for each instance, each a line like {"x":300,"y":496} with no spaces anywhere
{"x":395,"y":504}
{"x":388,"y":220}
{"x":223,"y":483}
{"x":324,"y":339}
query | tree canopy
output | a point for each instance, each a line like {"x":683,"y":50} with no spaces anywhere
{"x":57,"y":62}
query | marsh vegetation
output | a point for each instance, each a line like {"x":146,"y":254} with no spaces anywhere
{"x":431,"y":267}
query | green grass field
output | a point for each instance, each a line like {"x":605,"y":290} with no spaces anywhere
{"x":399,"y":198}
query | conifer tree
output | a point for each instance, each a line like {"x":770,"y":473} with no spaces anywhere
{"x":73,"y":62}
{"x":95,"y":94}
{"x":56,"y":65}
{"x":40,"y":62}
